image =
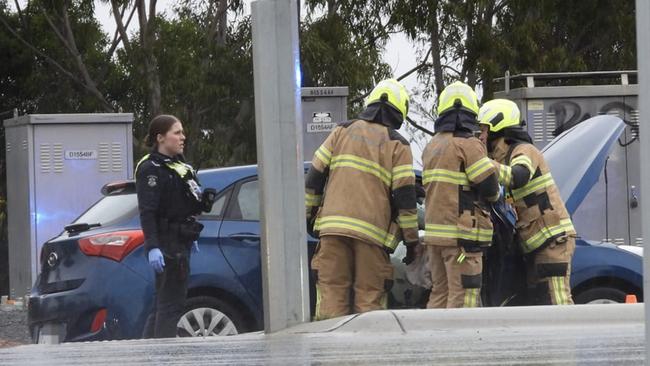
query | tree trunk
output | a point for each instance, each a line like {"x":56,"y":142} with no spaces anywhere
{"x":239,"y":124}
{"x":486,"y":77}
{"x":193,"y":128}
{"x":153,"y":85}
{"x":438,"y":78}
{"x":217,"y":29}
{"x":91,"y":91}
{"x":81,"y":66}
{"x":331,"y":8}
{"x":150,"y":64}
{"x":66,"y":37}
{"x":222,"y":18}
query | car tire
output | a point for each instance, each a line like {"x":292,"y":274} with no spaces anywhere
{"x":600,"y":295}
{"x":209,"y":316}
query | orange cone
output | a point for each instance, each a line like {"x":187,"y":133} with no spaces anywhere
{"x":630,"y":299}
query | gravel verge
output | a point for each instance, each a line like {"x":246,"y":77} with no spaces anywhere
{"x":13,"y":327}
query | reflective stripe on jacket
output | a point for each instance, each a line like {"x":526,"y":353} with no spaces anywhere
{"x":455,"y":215}
{"x":361,"y":184}
{"x":541,"y":214}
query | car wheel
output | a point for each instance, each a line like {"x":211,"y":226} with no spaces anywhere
{"x":208,"y":316}
{"x":600,"y":295}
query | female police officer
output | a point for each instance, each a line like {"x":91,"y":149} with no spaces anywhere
{"x":169,"y":195}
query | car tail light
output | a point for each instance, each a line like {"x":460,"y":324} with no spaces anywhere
{"x":114,"y":246}
{"x":98,"y":321}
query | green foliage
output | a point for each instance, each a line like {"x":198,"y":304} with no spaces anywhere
{"x":481,"y":39}
{"x":31,"y":84}
{"x":203,"y":58}
{"x":207,"y":85}
{"x":568,"y":36}
{"x":210,"y":86}
{"x":331,"y":56}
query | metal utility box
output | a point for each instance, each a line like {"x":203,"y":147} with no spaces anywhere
{"x":611,"y":211}
{"x":56,"y":166}
{"x":322,"y":109}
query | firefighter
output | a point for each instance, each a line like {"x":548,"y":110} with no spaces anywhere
{"x":169,"y":196}
{"x":460,"y":182}
{"x":543,"y":223}
{"x":360,"y":197}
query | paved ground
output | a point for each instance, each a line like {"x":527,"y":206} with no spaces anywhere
{"x":589,"y":335}
{"x":13,"y":327}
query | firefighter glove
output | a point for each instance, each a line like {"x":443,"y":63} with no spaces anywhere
{"x":410,"y":255}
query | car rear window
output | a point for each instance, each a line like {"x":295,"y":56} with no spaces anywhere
{"x":111,"y":209}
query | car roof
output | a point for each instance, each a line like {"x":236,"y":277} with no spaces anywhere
{"x":220,"y":178}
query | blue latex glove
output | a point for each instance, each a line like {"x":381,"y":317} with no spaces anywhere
{"x":195,"y":247}
{"x":156,"y":260}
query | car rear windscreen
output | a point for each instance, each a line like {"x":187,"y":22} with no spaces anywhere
{"x":111,"y":209}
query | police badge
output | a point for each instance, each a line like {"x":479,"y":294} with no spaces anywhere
{"x":152,"y":180}
{"x":195,"y":189}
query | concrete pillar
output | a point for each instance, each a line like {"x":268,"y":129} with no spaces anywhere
{"x":276,"y":66}
{"x":643,"y":57}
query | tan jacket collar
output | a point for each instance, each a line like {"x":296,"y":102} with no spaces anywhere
{"x":500,"y":150}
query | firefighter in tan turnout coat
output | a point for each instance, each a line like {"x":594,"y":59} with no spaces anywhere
{"x":460,"y":181}
{"x":543,"y":224}
{"x":360,"y":197}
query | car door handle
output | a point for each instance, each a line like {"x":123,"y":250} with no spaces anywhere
{"x":245,"y":237}
{"x":634,"y":197}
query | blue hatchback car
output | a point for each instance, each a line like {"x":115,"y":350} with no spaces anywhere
{"x":97,"y":285}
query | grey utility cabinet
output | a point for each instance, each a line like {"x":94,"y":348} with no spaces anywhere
{"x":56,"y":166}
{"x":322,"y":109}
{"x":612,"y":209}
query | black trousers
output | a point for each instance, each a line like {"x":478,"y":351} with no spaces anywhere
{"x":169,"y":300}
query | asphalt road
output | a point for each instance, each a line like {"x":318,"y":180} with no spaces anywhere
{"x":585,"y":335}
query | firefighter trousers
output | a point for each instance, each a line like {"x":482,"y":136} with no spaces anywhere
{"x":456,"y":277}
{"x":549,"y":273}
{"x":352,"y":276}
